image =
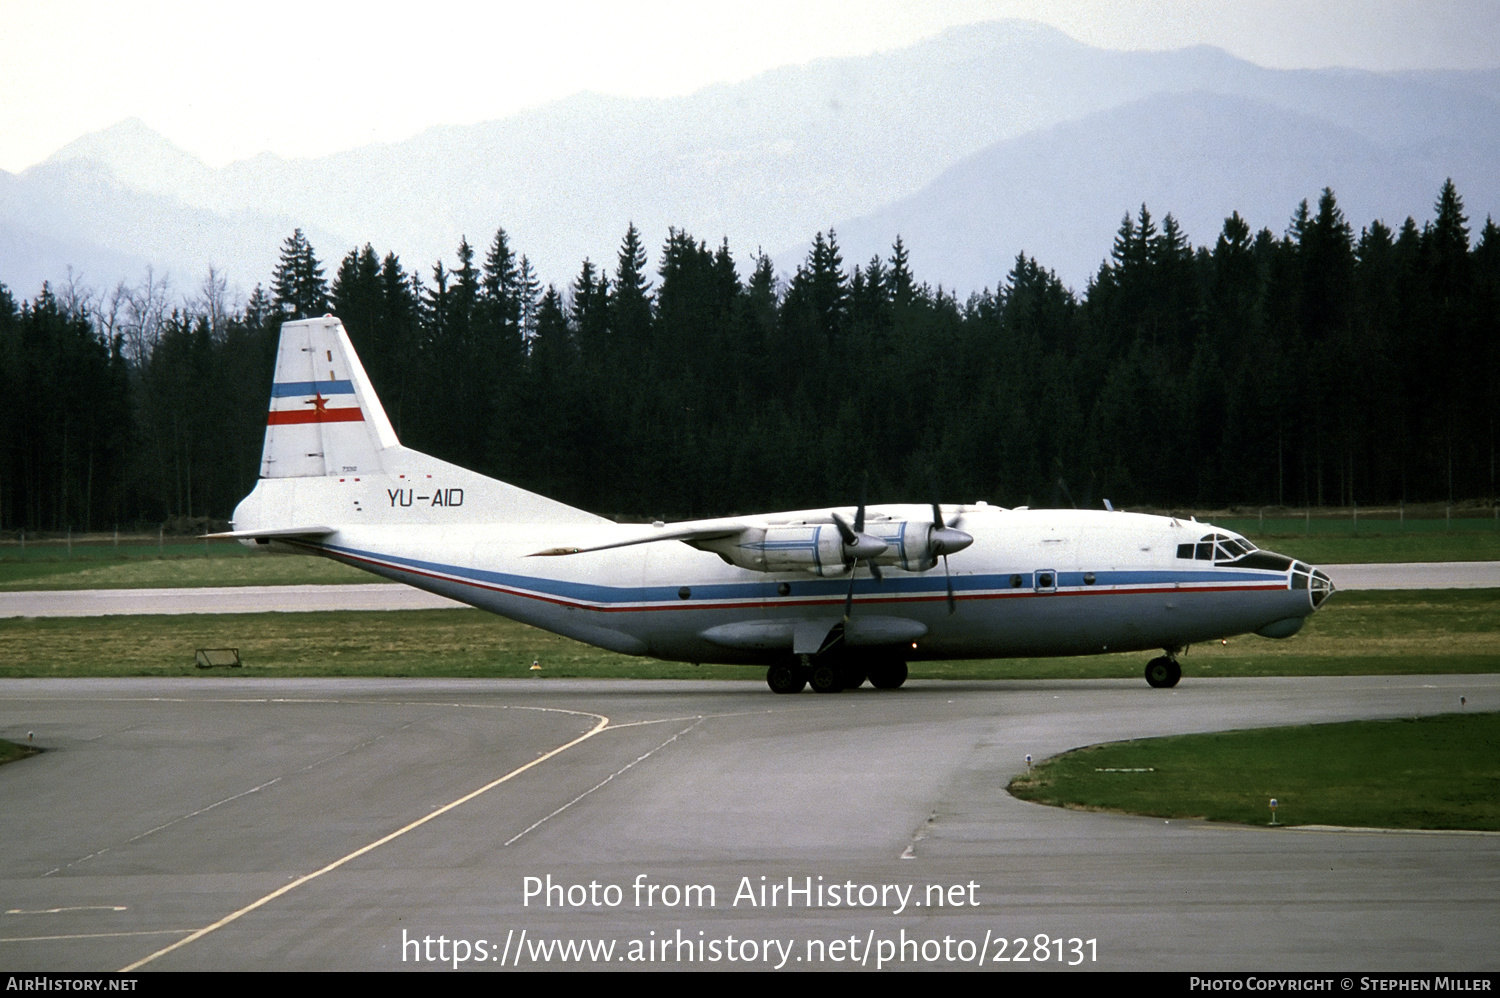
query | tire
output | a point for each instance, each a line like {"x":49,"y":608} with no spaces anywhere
{"x":851,"y":677}
{"x":826,"y":679}
{"x":784,"y":677}
{"x":1163,"y":672}
{"x":888,"y":675}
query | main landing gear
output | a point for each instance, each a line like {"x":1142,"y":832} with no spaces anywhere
{"x":786,"y":677}
{"x":831,"y":675}
{"x":1163,"y":672}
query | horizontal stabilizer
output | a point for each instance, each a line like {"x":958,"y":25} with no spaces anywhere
{"x":281,"y":534}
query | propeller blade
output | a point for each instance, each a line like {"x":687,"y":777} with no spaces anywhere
{"x":844,"y":531}
{"x":859,"y":546}
{"x":952,"y":603}
{"x":945,"y":540}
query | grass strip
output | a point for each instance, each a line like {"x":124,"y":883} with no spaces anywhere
{"x":1429,"y":772}
{"x":10,"y":751}
{"x":1384,"y":547}
{"x":1356,"y":633}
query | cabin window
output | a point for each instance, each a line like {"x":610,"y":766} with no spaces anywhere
{"x":684,"y":593}
{"x":1088,"y":578}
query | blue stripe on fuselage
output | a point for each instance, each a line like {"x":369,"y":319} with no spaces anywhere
{"x":928,"y":585}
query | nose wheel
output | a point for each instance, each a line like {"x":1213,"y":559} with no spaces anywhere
{"x":1163,"y":672}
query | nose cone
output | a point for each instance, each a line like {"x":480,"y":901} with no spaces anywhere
{"x":865,"y":547}
{"x":946,"y":541}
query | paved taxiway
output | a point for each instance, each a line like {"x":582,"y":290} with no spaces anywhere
{"x":392,"y":596}
{"x":163,"y":806}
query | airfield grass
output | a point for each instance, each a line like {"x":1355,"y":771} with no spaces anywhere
{"x":10,"y":751}
{"x":1430,"y":772}
{"x":1356,"y":633}
{"x":1340,"y":541}
{"x":140,"y":562}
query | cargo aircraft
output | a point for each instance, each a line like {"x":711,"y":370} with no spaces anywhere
{"x":828,"y":598}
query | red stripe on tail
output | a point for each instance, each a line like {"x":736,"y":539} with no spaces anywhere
{"x":281,"y":418}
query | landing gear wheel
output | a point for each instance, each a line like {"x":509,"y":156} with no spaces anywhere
{"x":1163,"y":672}
{"x":851,"y":677}
{"x":825,"y":679}
{"x":784,"y":677}
{"x":888,"y":675}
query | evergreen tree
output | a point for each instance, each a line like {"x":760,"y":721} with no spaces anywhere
{"x":630,"y":298}
{"x":297,"y":284}
{"x":901,"y":283}
{"x":590,"y":314}
{"x":528,"y":291}
{"x":357,"y":301}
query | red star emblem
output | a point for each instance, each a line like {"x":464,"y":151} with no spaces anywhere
{"x":320,"y":404}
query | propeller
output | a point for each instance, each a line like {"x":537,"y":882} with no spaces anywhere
{"x":858,"y":547}
{"x":945,"y":540}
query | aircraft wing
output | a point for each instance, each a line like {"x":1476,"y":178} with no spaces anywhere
{"x":701,"y":530}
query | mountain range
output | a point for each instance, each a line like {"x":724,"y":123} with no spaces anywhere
{"x":981,"y":143}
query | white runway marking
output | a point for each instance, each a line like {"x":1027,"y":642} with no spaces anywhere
{"x":80,"y":907}
{"x":623,"y":769}
{"x":233,"y":797}
{"x":603,"y":722}
{"x":93,"y":935}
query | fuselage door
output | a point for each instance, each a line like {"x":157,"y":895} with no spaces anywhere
{"x":1044,"y":580}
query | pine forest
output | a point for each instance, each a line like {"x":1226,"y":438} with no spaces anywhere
{"x":1322,"y":366}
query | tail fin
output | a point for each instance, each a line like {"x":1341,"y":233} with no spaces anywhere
{"x":332,"y":460}
{"x":324,"y":418}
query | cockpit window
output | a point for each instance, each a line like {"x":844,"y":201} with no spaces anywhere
{"x":1217,"y":548}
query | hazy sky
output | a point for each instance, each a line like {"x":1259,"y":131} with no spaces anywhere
{"x":304,"y":77}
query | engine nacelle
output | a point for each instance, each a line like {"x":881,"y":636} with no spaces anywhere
{"x":908,"y":544}
{"x":916,"y":545}
{"x":820,"y":548}
{"x":815,"y":547}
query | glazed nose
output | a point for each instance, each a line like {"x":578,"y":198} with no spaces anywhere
{"x":1321,"y":587}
